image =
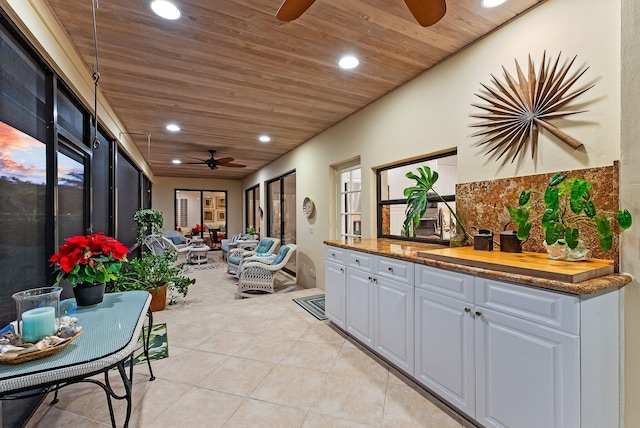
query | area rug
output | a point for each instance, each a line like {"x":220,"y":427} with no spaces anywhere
{"x":313,"y":304}
{"x":207,"y":266}
{"x":158,"y":345}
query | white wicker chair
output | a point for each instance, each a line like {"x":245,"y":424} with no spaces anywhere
{"x":258,"y":274}
{"x":158,"y":244}
{"x":237,"y":256}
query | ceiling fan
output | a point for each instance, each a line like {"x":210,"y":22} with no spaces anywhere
{"x":215,"y":163}
{"x":426,"y":12}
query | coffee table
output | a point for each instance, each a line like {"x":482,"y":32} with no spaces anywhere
{"x":198,"y":254}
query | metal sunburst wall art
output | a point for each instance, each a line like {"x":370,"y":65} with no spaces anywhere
{"x":519,"y":108}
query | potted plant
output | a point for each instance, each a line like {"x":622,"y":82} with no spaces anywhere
{"x":88,"y":262}
{"x":417,"y":203}
{"x":149,"y":222}
{"x":568,"y":209}
{"x":156,"y":274}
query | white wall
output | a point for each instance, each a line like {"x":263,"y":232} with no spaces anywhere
{"x":629,"y":191}
{"x":431,"y":114}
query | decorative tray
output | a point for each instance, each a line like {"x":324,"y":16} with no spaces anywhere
{"x":40,"y":350}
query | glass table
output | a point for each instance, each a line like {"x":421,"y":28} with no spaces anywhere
{"x":110,"y":332}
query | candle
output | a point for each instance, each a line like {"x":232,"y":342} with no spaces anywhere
{"x":38,"y":323}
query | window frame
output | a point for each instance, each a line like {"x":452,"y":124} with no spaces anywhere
{"x":380,"y":203}
{"x":341,"y":217}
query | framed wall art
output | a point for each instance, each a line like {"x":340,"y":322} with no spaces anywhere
{"x":208,"y":203}
{"x":221,"y":215}
{"x":220,"y":202}
{"x":208,"y":215}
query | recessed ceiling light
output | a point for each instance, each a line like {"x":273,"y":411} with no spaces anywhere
{"x":264,"y":138}
{"x":492,"y":3}
{"x":165,"y":9}
{"x":348,"y":62}
{"x":173,"y":127}
{"x":176,"y":161}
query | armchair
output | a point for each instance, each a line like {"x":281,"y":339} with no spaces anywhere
{"x":238,"y":255}
{"x":158,"y":244}
{"x":258,"y":274}
{"x":227,"y":244}
{"x":177,"y":238}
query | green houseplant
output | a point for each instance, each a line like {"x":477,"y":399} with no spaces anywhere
{"x":149,"y":221}
{"x":156,"y":274}
{"x":568,"y":209}
{"x":417,"y":201}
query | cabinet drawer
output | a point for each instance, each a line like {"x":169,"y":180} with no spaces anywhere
{"x":395,"y":269}
{"x":556,"y":310}
{"x":336,"y":254}
{"x":360,"y":260}
{"x":447,"y":283}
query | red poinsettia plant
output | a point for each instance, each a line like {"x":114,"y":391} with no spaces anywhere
{"x":89,"y":259}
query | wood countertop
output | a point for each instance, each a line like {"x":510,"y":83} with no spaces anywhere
{"x":532,"y":269}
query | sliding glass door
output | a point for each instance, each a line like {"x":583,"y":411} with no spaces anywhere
{"x":201,"y":213}
{"x":281,"y":216}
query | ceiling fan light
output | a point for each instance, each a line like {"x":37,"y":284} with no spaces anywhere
{"x":264,"y":138}
{"x":492,"y":3}
{"x":173,"y":127}
{"x":176,"y":161}
{"x":165,"y":9}
{"x":348,"y":62}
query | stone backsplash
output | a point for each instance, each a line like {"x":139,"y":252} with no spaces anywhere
{"x":483,"y":204}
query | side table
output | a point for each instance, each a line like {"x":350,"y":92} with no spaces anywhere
{"x":198,"y":254}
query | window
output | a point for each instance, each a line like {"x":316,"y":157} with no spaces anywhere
{"x":349,"y":190}
{"x":436,"y":224}
{"x":252,"y":206}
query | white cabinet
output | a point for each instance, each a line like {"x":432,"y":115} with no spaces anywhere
{"x":360,"y":305}
{"x":505,"y":354}
{"x":528,"y":376}
{"x":445,"y":348}
{"x":336,"y":286}
{"x":379,"y":306}
{"x":335,"y":293}
{"x":502,"y":370}
{"x":393,"y":322}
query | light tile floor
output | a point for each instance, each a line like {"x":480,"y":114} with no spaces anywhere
{"x":260,"y":362}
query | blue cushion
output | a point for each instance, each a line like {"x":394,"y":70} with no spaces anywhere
{"x":234,"y":260}
{"x":263,"y":246}
{"x":281,"y":255}
{"x":176,"y":240}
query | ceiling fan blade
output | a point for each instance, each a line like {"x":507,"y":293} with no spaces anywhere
{"x":427,"y":12}
{"x":292,"y":9}
{"x":224,"y":160}
{"x":192,"y":163}
{"x":233,"y":165}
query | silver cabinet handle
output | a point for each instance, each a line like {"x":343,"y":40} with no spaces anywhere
{"x":375,"y":280}
{"x":342,"y":270}
{"x":357,"y":261}
{"x":467,"y":310}
{"x":478,"y":313}
{"x":390,"y":269}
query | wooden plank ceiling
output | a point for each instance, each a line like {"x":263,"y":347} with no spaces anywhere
{"x":227,"y":71}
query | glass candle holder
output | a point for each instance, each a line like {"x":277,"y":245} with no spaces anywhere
{"x":38,"y":313}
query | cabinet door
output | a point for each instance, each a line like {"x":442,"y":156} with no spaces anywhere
{"x":393,"y":319}
{"x":528,"y":376}
{"x":335,"y":293}
{"x":360,"y":306}
{"x":445,"y":348}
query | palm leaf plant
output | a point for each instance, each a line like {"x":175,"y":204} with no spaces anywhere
{"x":418,"y":200}
{"x":568,"y":209}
